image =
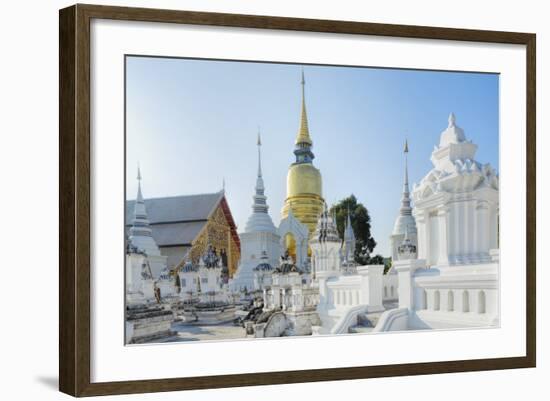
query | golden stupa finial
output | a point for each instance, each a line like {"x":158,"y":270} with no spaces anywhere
{"x":303,"y":133}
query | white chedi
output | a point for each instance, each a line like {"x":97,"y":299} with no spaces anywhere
{"x":455,"y":280}
{"x":141,"y":237}
{"x":259,"y":237}
{"x":325,"y":247}
{"x":405,"y":223}
{"x":144,"y":263}
{"x":456,"y":204}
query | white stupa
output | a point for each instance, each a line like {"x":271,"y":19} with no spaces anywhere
{"x":405,"y":224}
{"x":452,"y":278}
{"x":456,"y":204}
{"x":259,"y":238}
{"x":140,"y":237}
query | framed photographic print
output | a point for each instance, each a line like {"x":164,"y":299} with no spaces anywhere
{"x":279,"y":200}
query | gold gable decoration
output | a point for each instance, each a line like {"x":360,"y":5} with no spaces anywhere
{"x":217,"y":232}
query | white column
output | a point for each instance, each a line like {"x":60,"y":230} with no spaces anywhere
{"x":461,"y":231}
{"x":443,"y":217}
{"x":405,"y":271}
{"x":493,"y":227}
{"x":427,"y":233}
{"x":482,"y":210}
{"x":375,"y":286}
{"x":472,"y":228}
{"x":421,"y":238}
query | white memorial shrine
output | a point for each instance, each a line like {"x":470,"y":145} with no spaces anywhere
{"x":260,"y":238}
{"x":141,"y":238}
{"x":454,"y":281}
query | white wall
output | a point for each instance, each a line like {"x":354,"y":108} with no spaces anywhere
{"x":28,"y":198}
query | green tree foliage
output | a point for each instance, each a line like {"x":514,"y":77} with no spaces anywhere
{"x":387,"y":265}
{"x":360,"y":222}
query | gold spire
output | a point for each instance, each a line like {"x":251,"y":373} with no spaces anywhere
{"x":303,"y":133}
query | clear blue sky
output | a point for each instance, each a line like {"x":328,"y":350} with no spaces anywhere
{"x":192,"y":123}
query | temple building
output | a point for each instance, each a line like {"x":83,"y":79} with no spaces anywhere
{"x":405,"y":224}
{"x":260,"y":241}
{"x":304,"y":190}
{"x":186,"y":224}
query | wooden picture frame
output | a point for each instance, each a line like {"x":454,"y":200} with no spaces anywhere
{"x":75,"y":209}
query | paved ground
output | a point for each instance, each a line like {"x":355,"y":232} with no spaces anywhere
{"x":187,"y":332}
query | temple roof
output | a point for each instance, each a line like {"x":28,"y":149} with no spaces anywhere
{"x":177,"y":208}
{"x":177,"y":220}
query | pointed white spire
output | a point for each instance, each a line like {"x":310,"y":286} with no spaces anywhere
{"x":326,"y":230}
{"x":259,"y":143}
{"x":348,"y":232}
{"x":452,"y":119}
{"x":139,"y":195}
{"x":260,"y":219}
{"x":260,"y":205}
{"x":406,"y":180}
{"x":140,"y":231}
{"x":349,"y":240}
{"x":406,"y":209}
{"x":405,"y":218}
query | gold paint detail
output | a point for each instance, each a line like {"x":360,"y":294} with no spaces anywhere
{"x":216,"y":232}
{"x":302,"y":179}
{"x":303,"y":132}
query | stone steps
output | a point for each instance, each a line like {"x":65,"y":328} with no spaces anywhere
{"x":366,"y":322}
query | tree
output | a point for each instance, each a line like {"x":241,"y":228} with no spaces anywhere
{"x":360,"y":222}
{"x":388,"y":265}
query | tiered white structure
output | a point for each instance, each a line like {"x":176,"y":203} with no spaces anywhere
{"x":140,"y":237}
{"x":146,"y":320}
{"x":203,"y":282}
{"x":456,"y":204}
{"x":260,"y":237}
{"x":291,"y":300}
{"x":405,"y":223}
{"x":454,"y":281}
{"x":342,"y":297}
{"x":144,"y":263}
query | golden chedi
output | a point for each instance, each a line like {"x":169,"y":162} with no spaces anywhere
{"x":304,"y":190}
